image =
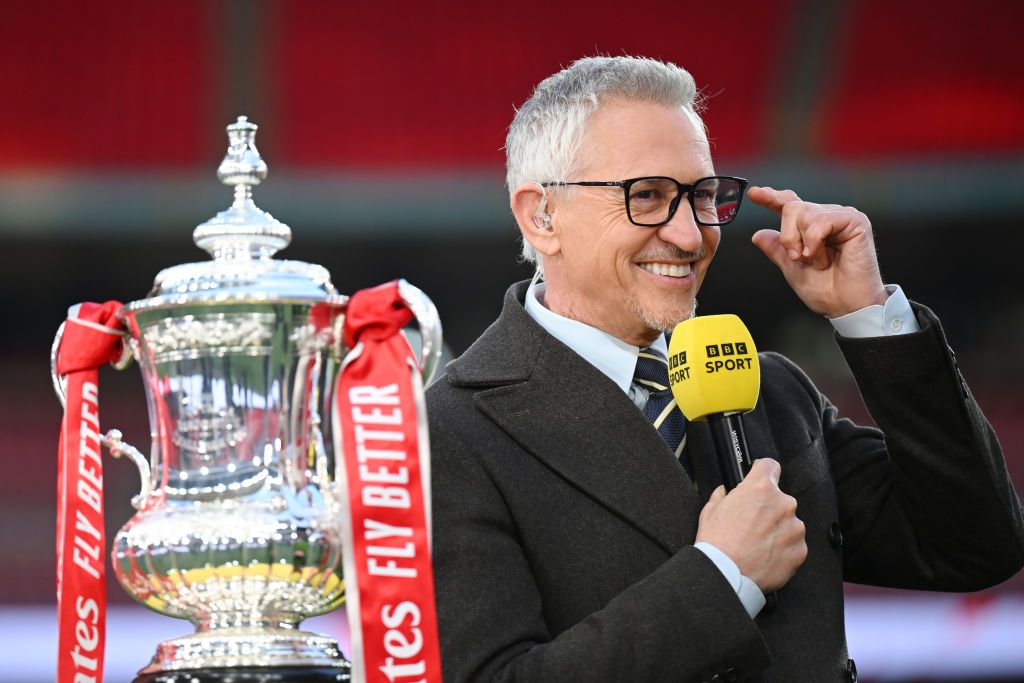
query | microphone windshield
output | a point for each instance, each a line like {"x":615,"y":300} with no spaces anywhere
{"x":713,"y":367}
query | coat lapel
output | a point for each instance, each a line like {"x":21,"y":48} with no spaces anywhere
{"x":577,"y":422}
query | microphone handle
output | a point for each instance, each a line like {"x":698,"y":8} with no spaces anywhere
{"x":734,"y":462}
{"x":731,"y":447}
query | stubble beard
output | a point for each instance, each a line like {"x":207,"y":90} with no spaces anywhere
{"x":664,"y":320}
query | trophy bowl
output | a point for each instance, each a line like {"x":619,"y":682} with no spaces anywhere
{"x":239,"y":523}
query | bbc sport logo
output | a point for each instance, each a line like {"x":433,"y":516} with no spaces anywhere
{"x":726,"y":349}
{"x":677,"y":360}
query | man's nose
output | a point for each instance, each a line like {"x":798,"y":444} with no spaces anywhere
{"x":682,"y":230}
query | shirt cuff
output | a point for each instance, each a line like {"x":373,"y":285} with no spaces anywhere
{"x":746,"y":590}
{"x":877,"y":320}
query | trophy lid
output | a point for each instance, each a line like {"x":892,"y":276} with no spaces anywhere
{"x":242,"y":241}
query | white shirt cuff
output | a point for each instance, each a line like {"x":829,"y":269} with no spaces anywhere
{"x":895,"y":317}
{"x":746,"y":590}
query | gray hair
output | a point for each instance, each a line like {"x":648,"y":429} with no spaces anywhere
{"x":543,"y":142}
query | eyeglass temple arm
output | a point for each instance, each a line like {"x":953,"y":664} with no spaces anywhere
{"x":588,"y":183}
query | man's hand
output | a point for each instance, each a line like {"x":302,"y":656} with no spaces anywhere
{"x":825,"y":251}
{"x":756,"y":525}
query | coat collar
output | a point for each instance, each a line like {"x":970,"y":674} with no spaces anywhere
{"x":507,"y":350}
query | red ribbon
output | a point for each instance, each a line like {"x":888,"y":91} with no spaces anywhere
{"x":381,"y":431}
{"x":92,"y":337}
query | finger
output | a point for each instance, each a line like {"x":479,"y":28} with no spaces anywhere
{"x":815,"y":236}
{"x":771,"y":198}
{"x":770,"y":243}
{"x":716,"y":497}
{"x":766,"y":467}
{"x":825,"y":226}
{"x":790,"y":230}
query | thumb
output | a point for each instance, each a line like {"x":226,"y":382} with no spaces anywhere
{"x":765,"y":467}
{"x":770,"y":243}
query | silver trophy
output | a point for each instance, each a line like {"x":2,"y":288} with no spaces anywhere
{"x":239,"y":523}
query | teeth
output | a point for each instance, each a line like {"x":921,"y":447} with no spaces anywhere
{"x":669,"y":269}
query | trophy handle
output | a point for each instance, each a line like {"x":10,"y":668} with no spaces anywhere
{"x":430,"y":327}
{"x":112,"y":439}
{"x":60,"y":382}
{"x":117,"y":447}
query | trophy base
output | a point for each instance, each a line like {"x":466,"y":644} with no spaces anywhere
{"x":251,"y":674}
{"x":247,"y":655}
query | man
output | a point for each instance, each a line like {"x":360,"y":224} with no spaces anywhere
{"x":570,"y":542}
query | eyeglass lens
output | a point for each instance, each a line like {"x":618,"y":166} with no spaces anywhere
{"x":715,"y":200}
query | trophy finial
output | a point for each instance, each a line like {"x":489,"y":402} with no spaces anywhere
{"x":243,"y":165}
{"x":244,"y":230}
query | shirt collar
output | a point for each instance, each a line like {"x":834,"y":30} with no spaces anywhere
{"x":613,"y":357}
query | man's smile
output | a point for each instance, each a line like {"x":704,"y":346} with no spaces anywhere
{"x":667,"y":269}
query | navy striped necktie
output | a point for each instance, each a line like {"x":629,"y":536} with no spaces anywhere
{"x":661,"y":409}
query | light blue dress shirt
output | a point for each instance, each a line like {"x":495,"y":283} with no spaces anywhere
{"x":617,"y":360}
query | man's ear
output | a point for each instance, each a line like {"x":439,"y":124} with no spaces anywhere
{"x":534,"y":210}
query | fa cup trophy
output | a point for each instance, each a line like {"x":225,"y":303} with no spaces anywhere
{"x":288,"y":469}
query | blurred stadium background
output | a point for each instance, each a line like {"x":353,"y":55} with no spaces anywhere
{"x":383,"y":126}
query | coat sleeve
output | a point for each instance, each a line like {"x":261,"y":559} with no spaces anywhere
{"x":930,"y":504}
{"x":682,"y":622}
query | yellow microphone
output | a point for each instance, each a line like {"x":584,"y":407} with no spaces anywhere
{"x":715,"y":376}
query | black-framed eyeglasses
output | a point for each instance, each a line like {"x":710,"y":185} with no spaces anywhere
{"x":652,"y":201}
